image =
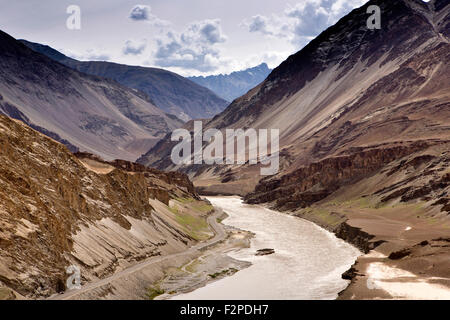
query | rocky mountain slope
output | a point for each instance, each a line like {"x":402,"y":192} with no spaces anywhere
{"x":349,"y":103}
{"x":364,"y":119}
{"x":58,"y":210}
{"x":91,"y":113}
{"x":233,"y":85}
{"x":171,"y":92}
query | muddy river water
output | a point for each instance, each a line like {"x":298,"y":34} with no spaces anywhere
{"x":307,"y":264}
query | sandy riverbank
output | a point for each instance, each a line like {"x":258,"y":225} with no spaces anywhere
{"x":411,"y":258}
{"x":212,"y":265}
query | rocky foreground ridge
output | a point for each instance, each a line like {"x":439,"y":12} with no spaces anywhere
{"x":58,"y":209}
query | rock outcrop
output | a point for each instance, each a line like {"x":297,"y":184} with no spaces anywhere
{"x":58,"y":210}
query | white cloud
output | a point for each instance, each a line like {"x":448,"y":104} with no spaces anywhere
{"x":274,"y":58}
{"x":142,"y":12}
{"x":302,"y":22}
{"x":88,"y":55}
{"x":134,"y":48}
{"x":195,"y":48}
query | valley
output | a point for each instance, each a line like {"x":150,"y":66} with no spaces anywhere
{"x":364,"y":142}
{"x":139,"y":184}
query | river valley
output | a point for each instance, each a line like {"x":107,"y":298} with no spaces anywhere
{"x":307,"y":264}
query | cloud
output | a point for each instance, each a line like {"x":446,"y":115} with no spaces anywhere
{"x":274,"y":58}
{"x":259,"y":23}
{"x":134,"y":48}
{"x":142,"y":12}
{"x":302,"y":22}
{"x":88,"y":55}
{"x":195,"y":48}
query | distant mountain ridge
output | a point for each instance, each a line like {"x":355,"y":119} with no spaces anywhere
{"x":84,"y":112}
{"x":169,"y":91}
{"x":233,"y":85}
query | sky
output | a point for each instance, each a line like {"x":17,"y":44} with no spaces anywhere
{"x":190,"y":37}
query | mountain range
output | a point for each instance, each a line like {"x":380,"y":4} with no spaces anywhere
{"x":90,"y":113}
{"x":169,"y":91}
{"x":350,"y":102}
{"x":364,"y":122}
{"x":233,"y":85}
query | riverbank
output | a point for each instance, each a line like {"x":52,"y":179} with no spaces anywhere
{"x":134,"y":281}
{"x":306,"y":263}
{"x":212,"y":265}
{"x":406,"y":251}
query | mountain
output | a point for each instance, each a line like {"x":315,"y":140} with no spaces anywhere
{"x":233,"y":85}
{"x":59,"y":209}
{"x":171,"y":92}
{"x":87,"y":112}
{"x":364,"y":123}
{"x":350,"y":103}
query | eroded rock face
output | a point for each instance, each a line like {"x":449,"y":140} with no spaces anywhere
{"x":316,"y":181}
{"x":55,"y":212}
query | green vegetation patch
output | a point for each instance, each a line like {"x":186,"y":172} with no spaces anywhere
{"x":153,"y":292}
{"x":195,"y":226}
{"x":226,"y":272}
{"x":202,"y":207}
{"x":185,"y":200}
{"x":192,"y":266}
{"x":190,"y":214}
{"x":324,"y":216}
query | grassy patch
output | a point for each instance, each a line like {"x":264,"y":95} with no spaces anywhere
{"x":185,"y":200}
{"x":228,"y":272}
{"x":190,"y":214}
{"x":153,"y":292}
{"x":323,"y":215}
{"x":362,"y":202}
{"x":202,"y":207}
{"x":174,"y":210}
{"x":196,"y":226}
{"x":191,"y":267}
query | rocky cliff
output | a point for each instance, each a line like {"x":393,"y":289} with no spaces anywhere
{"x":58,"y":210}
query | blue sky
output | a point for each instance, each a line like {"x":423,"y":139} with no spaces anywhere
{"x":191,"y":37}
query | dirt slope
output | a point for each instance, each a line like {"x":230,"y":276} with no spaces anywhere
{"x":58,"y":210}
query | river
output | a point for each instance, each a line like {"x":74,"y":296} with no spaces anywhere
{"x":307,"y":264}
